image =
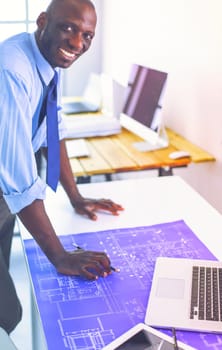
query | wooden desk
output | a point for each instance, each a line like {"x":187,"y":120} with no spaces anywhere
{"x":116,"y":154}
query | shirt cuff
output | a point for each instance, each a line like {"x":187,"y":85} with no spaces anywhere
{"x":17,"y":201}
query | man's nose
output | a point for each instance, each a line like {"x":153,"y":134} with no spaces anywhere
{"x":76,"y":41}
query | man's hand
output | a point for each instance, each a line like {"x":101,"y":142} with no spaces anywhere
{"x":83,"y":206}
{"x":88,"y":206}
{"x":88,"y":264}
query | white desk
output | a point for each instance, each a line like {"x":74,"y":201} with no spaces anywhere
{"x":146,"y":202}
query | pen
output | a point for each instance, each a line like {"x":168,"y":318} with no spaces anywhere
{"x":111,"y":267}
{"x":77,"y":246}
{"x":114,"y":269}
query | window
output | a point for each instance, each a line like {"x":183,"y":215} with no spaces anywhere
{"x":20,"y":16}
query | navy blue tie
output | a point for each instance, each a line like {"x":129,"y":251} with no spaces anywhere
{"x":53,"y":153}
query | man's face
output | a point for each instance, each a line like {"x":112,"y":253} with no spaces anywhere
{"x":65,"y":33}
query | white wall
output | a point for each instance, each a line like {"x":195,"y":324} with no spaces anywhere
{"x":184,"y":38}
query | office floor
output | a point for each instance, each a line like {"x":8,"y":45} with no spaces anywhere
{"x":22,"y":334}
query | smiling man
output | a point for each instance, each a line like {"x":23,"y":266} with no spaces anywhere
{"x":28,"y":63}
{"x":65,"y":31}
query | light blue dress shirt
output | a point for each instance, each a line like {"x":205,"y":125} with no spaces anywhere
{"x":24,"y":73}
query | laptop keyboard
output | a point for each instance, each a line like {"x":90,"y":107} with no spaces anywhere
{"x":206,"y":293}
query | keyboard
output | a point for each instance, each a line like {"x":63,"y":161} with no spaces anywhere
{"x":206,"y":293}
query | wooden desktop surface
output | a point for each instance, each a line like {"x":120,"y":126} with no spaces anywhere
{"x":116,"y":154}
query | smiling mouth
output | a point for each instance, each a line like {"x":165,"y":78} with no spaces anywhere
{"x":68,"y":54}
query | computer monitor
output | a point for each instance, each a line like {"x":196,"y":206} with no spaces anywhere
{"x":142,"y":109}
{"x":144,"y":94}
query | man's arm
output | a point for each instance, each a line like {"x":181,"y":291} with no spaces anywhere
{"x":37,"y":222}
{"x":78,"y":262}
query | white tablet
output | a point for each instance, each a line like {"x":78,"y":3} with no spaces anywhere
{"x":143,"y":337}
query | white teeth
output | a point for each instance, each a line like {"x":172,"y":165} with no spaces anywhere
{"x":68,"y":54}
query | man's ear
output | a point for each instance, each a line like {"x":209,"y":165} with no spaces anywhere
{"x":41,"y":20}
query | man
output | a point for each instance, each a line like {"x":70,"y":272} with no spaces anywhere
{"x":27,"y":65}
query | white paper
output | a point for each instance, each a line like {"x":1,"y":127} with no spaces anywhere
{"x":77,"y":148}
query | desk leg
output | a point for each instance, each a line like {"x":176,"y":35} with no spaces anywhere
{"x":87,"y":179}
{"x":108,"y":177}
{"x":166,"y":171}
{"x":83,"y":179}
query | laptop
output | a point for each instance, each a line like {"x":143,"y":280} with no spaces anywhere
{"x":142,"y":111}
{"x":186,"y":294}
{"x":77,"y":107}
{"x":104,"y":123}
{"x":90,"y":101}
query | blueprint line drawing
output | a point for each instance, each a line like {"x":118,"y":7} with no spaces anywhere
{"x":78,"y":314}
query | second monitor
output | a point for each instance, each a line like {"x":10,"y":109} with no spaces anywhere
{"x":142,"y":109}
{"x":144,"y":93}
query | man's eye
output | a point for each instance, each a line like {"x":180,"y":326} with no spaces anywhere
{"x":67,"y":28}
{"x":88,"y":37}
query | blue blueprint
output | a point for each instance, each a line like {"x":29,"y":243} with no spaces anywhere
{"x":79,"y":314}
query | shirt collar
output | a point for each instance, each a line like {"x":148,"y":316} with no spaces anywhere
{"x":44,"y":68}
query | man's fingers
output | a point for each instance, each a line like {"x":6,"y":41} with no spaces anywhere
{"x":89,"y":207}
{"x":90,"y":264}
{"x":89,"y":275}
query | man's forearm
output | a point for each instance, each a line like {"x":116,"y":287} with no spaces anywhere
{"x":36,"y":221}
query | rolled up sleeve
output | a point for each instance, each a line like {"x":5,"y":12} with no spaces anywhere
{"x":17,"y":201}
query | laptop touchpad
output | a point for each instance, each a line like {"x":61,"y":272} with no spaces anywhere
{"x":170,"y":288}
